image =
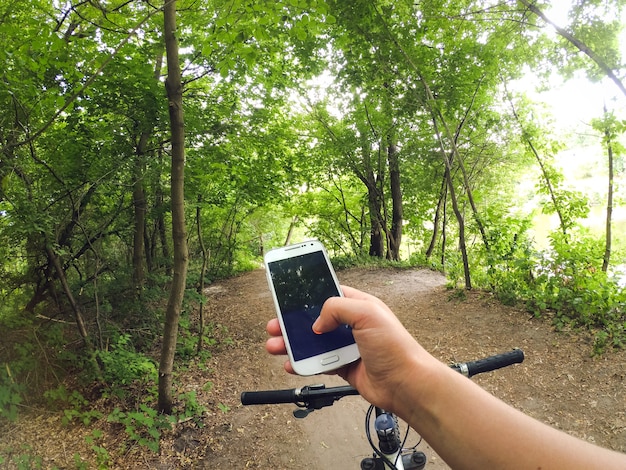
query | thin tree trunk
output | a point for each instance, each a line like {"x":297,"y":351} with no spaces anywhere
{"x":609,"y":201}
{"x":76,"y":308}
{"x":139,"y":204}
{"x":395,"y":235}
{"x":148,"y":245}
{"x":78,"y":314}
{"x":440,"y":206}
{"x":448,"y":173}
{"x":160,"y":222}
{"x":544,"y":171}
{"x":433,"y":238}
{"x":203,"y":249}
{"x":436,"y":114}
{"x":377,"y":242}
{"x":173,"y":86}
{"x":466,"y":183}
{"x":292,"y":225}
{"x":444,"y":229}
{"x":140,"y":247}
{"x":461,"y":222}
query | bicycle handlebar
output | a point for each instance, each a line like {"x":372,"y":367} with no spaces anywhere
{"x":300,"y":396}
{"x":491,"y":363}
{"x":315,"y":397}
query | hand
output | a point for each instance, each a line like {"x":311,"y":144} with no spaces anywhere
{"x":453,"y":414}
{"x":389,"y":354}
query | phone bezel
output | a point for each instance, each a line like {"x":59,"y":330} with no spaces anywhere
{"x":312,"y":365}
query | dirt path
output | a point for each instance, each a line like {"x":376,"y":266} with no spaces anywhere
{"x":559,"y":383}
{"x":329,"y":438}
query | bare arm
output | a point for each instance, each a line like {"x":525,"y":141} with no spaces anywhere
{"x":467,"y":426}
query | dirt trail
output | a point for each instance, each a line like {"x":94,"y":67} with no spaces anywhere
{"x":332,"y":437}
{"x":558,"y":383}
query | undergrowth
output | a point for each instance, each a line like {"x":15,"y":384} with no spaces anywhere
{"x":568,"y":281}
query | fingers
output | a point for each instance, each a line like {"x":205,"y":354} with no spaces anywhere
{"x":275,"y":345}
{"x":353,"y":309}
{"x":273,"y":327}
{"x":288,"y":367}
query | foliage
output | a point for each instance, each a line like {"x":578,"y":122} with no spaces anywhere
{"x":144,"y":426}
{"x":102,"y":455}
{"x":122,"y":364}
{"x":75,"y":406}
{"x":10,"y":394}
{"x":25,"y":460}
{"x":567,"y":280}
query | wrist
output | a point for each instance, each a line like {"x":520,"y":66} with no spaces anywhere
{"x":416,"y":394}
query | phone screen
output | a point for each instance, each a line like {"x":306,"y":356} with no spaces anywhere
{"x":302,"y":285}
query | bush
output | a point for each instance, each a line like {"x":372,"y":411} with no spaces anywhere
{"x":123,"y":365}
{"x":567,"y":280}
{"x":10,"y":395}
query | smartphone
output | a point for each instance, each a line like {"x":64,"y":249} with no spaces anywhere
{"x":301,"y":279}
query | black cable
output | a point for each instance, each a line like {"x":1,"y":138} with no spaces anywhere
{"x":406,"y":436}
{"x":368,"y":434}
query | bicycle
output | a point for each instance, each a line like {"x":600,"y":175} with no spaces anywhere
{"x":390,"y":452}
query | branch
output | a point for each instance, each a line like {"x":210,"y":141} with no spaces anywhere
{"x":86,"y":85}
{"x":581,"y":46}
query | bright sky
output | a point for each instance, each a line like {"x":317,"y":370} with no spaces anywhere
{"x":578,"y":100}
{"x":573,"y":105}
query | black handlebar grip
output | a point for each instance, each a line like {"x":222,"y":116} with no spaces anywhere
{"x":494,"y":362}
{"x":269,"y":397}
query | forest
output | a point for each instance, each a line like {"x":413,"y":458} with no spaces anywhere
{"x":149,"y":149}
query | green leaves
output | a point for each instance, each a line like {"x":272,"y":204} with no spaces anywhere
{"x":10,"y":395}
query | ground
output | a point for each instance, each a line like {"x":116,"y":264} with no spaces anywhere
{"x":559,"y":383}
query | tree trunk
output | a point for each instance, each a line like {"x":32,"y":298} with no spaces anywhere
{"x":139,"y":198}
{"x":461,"y":222}
{"x":292,"y":226}
{"x":53,"y":258}
{"x":203,"y":249}
{"x":148,"y":244}
{"x":466,"y":183}
{"x":395,"y":235}
{"x":444,"y":229}
{"x":139,"y":203}
{"x":448,"y":173}
{"x":544,"y":171}
{"x":173,"y":86}
{"x":430,"y":105}
{"x":160,"y":224}
{"x":377,"y":240}
{"x":78,"y":314}
{"x":609,"y":200}
{"x":440,"y":206}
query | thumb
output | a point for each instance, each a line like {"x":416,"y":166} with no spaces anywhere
{"x":336,"y":311}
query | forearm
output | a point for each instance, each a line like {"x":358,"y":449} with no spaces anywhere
{"x":469,"y":428}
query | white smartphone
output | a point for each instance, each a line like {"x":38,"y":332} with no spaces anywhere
{"x":301,"y":279}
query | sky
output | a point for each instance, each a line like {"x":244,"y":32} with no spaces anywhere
{"x":573,"y":104}
{"x":579,"y":100}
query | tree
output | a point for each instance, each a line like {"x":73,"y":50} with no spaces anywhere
{"x":174,"y":87}
{"x":611,"y":128}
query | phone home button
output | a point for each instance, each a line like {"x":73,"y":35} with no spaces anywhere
{"x":329,"y":360}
